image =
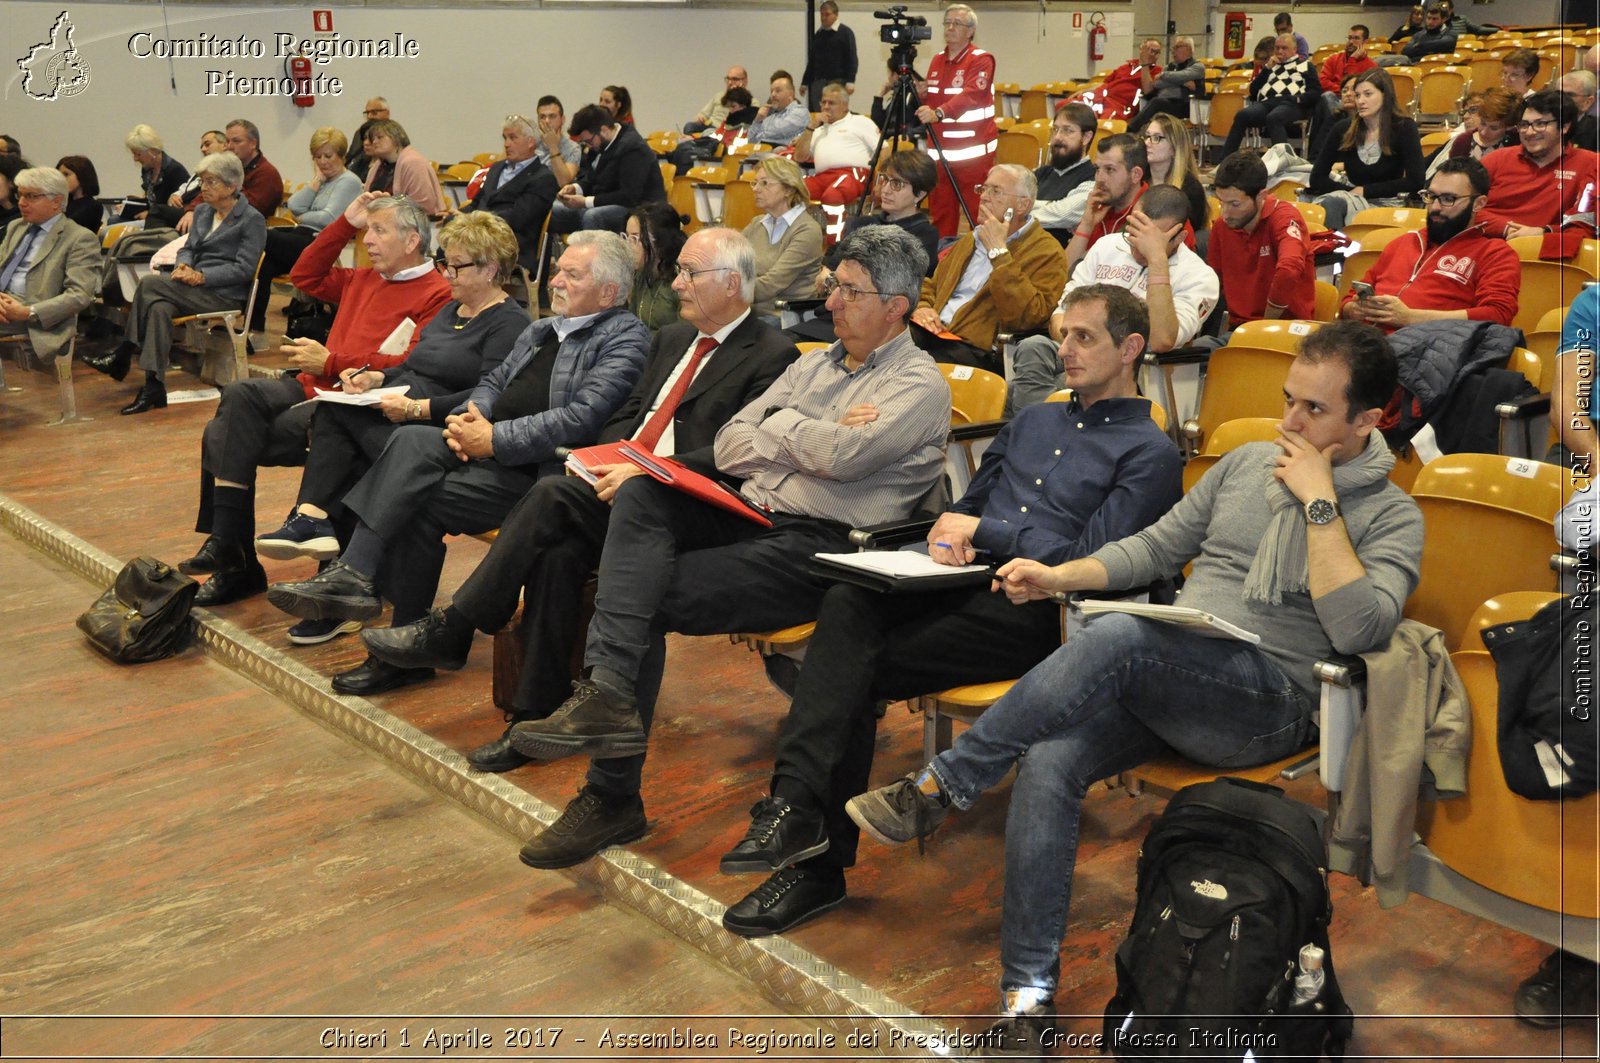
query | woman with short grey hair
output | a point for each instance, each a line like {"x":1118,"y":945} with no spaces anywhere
{"x":160,"y":175}
{"x":215,"y":269}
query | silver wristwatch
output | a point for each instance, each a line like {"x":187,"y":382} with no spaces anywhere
{"x":1321,"y":511}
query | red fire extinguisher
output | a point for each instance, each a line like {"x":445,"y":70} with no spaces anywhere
{"x":300,"y":74}
{"x":1235,"y":25}
{"x":1097,"y":38}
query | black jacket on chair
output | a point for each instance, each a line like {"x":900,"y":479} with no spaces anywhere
{"x":524,"y":202}
{"x":625,"y":174}
{"x":739,"y":371}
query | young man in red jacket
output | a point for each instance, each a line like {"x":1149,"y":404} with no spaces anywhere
{"x":264,"y":420}
{"x":1259,"y":248}
{"x":1532,"y":188}
{"x":1452,"y":269}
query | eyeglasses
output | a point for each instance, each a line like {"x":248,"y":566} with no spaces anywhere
{"x":451,"y":269}
{"x":634,"y":238}
{"x":519,"y":119}
{"x":208,"y":180}
{"x":740,"y":80}
{"x":892,"y":184}
{"x":1444,"y":199}
{"x":991,"y":190}
{"x":1155,"y":138}
{"x":371,"y":112}
{"x":688,"y":275}
{"x":848,"y":292}
{"x":28,"y":197}
{"x":1536,"y":125}
{"x":949,"y":22}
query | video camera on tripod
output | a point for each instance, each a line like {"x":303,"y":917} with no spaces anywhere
{"x":902,"y":34}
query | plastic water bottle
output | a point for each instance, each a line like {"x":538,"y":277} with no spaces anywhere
{"x":1308,"y":982}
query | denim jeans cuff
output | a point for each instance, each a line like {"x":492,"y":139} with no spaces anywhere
{"x":959,"y":798}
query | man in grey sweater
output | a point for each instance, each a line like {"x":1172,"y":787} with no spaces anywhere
{"x":1169,"y":91}
{"x":1302,"y":540}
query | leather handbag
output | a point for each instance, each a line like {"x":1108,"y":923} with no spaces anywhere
{"x":144,"y":615}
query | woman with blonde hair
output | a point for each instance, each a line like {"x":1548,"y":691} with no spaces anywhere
{"x":160,"y":175}
{"x":1372,"y":159}
{"x":314,"y":205}
{"x":1171,"y":157}
{"x":786,"y":238}
{"x":400,"y":169}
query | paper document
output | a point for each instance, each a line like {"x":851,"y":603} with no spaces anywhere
{"x":399,"y":340}
{"x":1200,"y":623}
{"x":898,"y":564}
{"x":370,"y":397}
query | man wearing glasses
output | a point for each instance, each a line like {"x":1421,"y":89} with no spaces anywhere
{"x":1005,"y":275}
{"x":1452,"y":270}
{"x":715,"y":111}
{"x":356,"y":159}
{"x":700,"y":372}
{"x":958,"y":108}
{"x":1168,"y":91}
{"x":850,"y":436}
{"x":1532,"y":190}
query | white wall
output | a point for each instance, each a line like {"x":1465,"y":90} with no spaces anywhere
{"x":479,"y":63}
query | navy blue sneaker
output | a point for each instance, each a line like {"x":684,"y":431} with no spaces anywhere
{"x":316,"y":632}
{"x":300,"y":536}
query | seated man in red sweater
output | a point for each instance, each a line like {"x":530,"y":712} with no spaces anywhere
{"x":1532,"y":188}
{"x":1115,"y":96}
{"x":265,"y":420}
{"x":1259,"y":248}
{"x":1450,"y":270}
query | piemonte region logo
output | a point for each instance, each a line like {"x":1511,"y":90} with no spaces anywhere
{"x":55,"y":69}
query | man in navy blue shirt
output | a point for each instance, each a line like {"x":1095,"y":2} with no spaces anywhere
{"x":1059,"y":482}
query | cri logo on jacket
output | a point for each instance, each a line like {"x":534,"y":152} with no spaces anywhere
{"x":1458,"y":268}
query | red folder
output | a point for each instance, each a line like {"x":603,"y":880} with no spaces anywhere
{"x":583,"y":461}
{"x":679,"y":476}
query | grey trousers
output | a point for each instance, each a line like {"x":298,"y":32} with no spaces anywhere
{"x":157,"y":301}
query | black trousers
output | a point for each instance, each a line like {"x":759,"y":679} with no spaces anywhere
{"x":957,"y":352}
{"x":283,"y":251}
{"x":1178,"y":108}
{"x":418,"y":492}
{"x":258,"y":422}
{"x":345,"y":441}
{"x":871,"y":647}
{"x":548,"y":546}
{"x":674,"y":563}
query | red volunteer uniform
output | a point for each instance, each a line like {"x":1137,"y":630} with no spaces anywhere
{"x":963,"y":89}
{"x":1273,"y":264}
{"x":1521,"y":193}
{"x":1470,"y":271}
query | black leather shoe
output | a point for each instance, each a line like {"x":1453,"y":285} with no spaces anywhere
{"x":780,"y":835}
{"x":1560,"y":992}
{"x":427,"y":643}
{"x":338,"y":592}
{"x":372,"y":676}
{"x":587,"y":825}
{"x":215,"y":555}
{"x":232,"y":584}
{"x":153,"y":396}
{"x":785,"y":900}
{"x":590,"y":721}
{"x":114,"y":364}
{"x":497,"y":755}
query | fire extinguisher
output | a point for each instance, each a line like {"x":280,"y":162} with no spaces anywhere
{"x":1235,"y":25}
{"x":300,"y":74}
{"x":1097,"y":38}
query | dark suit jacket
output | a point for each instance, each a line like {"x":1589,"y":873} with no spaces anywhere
{"x":524,"y":203}
{"x":62,"y":280}
{"x":753,"y":356}
{"x":229,"y":256}
{"x":1585,"y":133}
{"x":625,"y":174}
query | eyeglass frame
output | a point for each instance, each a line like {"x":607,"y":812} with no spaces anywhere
{"x":451,"y":270}
{"x":689,"y":275}
{"x":980,"y":189}
{"x":1429,"y":197}
{"x":1538,"y":125}
{"x":847,"y":292}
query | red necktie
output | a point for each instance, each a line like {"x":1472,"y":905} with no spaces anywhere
{"x":650,"y":434}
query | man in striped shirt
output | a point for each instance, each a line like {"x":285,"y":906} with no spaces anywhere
{"x":850,"y":436}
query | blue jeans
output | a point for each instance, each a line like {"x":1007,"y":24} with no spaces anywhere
{"x":1121,"y":691}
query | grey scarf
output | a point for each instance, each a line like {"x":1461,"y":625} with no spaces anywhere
{"x":1280,"y":563}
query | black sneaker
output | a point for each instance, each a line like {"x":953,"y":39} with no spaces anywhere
{"x":591,"y":721}
{"x":780,"y":835}
{"x":786,"y":900}
{"x":898,"y":812}
{"x":316,"y":632}
{"x":1560,"y":992}
{"x":585,"y":827}
{"x":1023,"y":1033}
{"x":300,"y":536}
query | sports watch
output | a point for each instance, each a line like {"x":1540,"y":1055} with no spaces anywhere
{"x":1321,"y":511}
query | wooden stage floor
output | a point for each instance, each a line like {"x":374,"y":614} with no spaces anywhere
{"x":183,"y":842}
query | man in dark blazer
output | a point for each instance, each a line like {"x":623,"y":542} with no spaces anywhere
{"x":550,"y":543}
{"x":519,"y":189}
{"x":54,"y":277}
{"x":619,"y":172}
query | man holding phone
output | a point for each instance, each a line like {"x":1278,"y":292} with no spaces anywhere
{"x":1004,"y":275}
{"x":1451,"y":269}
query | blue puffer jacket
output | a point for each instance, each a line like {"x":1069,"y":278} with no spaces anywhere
{"x":596,"y":367}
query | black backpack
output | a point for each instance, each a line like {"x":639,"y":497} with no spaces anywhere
{"x":1232,"y":883}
